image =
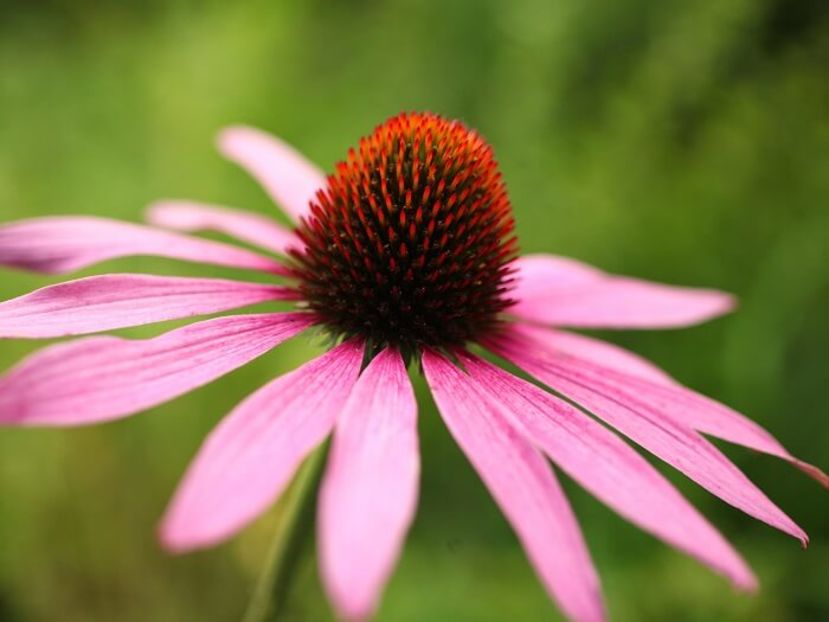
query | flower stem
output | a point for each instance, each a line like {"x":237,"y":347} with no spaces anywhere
{"x":293,"y":528}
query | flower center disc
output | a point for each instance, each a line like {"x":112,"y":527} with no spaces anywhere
{"x":409,"y":244}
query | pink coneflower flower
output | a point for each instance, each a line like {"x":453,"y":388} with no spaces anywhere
{"x":404,"y":254}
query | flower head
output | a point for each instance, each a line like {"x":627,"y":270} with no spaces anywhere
{"x":406,"y":251}
{"x":410,"y":242}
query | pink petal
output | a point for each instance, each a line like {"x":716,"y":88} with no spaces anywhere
{"x":245,"y":226}
{"x":677,"y":445}
{"x":524,"y":487}
{"x":110,"y":301}
{"x":551,"y":290}
{"x":633,"y":374}
{"x":369,"y":493}
{"x":252,"y":454}
{"x":609,"y":468}
{"x":543,"y":274}
{"x":60,"y":244}
{"x":101,"y":378}
{"x":285,"y":174}
{"x":600,"y":352}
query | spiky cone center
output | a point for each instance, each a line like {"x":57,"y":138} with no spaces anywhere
{"x":410,"y":243}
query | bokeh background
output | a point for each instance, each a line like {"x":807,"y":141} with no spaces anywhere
{"x":685,"y":141}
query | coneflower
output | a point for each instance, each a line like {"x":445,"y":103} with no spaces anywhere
{"x":404,"y":255}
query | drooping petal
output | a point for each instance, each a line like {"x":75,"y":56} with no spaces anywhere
{"x":634,"y":375}
{"x":609,"y":468}
{"x":98,"y":303}
{"x":551,"y":290}
{"x":597,"y":351}
{"x":61,"y":244}
{"x":523,"y":485}
{"x":369,"y":493}
{"x":250,"y":457}
{"x":676,"y":444}
{"x":100,"y":378}
{"x":285,"y":174}
{"x":248,"y":227}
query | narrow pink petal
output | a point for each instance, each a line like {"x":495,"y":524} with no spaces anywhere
{"x":676,"y":444}
{"x":523,"y":485}
{"x":98,"y":303}
{"x":245,"y":226}
{"x":609,"y":468}
{"x":101,"y":378}
{"x":289,"y":178}
{"x":628,"y":372}
{"x":544,"y":275}
{"x":252,"y":454}
{"x":60,"y":244}
{"x":597,"y":351}
{"x":369,"y":493}
{"x":549,"y":291}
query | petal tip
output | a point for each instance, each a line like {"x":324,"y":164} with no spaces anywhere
{"x":728,"y":303}
{"x":353,"y":612}
{"x":177,"y":537}
{"x":350,"y":606}
{"x":349,"y":602}
{"x":815,"y":473}
{"x":170,"y":540}
{"x":746,"y":583}
{"x":228,"y":138}
{"x":718,"y":303}
{"x":157,"y":212}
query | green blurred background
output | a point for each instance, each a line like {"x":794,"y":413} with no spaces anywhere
{"x":682,"y":141}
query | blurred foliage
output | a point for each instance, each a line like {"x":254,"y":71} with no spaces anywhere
{"x":685,"y":141}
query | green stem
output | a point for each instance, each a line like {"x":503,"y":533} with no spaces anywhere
{"x":293,"y":528}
